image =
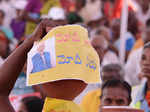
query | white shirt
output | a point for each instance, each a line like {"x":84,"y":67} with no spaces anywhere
{"x":132,"y":67}
{"x":1,"y":60}
{"x":110,"y":58}
{"x":140,"y":15}
{"x":92,"y":11}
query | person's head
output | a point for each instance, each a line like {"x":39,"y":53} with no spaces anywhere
{"x":31,"y":104}
{"x":145,"y":61}
{"x":146,"y":33}
{"x":144,"y":5}
{"x":4,"y":45}
{"x":112,"y":71}
{"x":115,"y":93}
{"x":19,"y":5}
{"x":41,"y":48}
{"x":57,"y":16}
{"x":100,"y":44}
{"x":74,"y":18}
{"x":115,"y":27}
{"x":104,"y":31}
{"x":132,"y":23}
{"x":80,"y":4}
{"x":2,"y":16}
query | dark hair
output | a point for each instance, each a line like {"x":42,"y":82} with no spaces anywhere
{"x":132,"y":23}
{"x":117,"y":83}
{"x":73,"y":18}
{"x":3,"y":13}
{"x":148,"y":23}
{"x":33,"y":103}
{"x":83,"y":2}
{"x":114,"y":68}
{"x":147,"y":45}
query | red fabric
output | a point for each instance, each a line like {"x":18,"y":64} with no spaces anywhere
{"x":148,"y":97}
{"x":115,"y":11}
{"x":67,"y":5}
{"x":3,"y":37}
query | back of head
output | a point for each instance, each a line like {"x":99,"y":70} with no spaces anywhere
{"x":113,"y":71}
{"x":33,"y":104}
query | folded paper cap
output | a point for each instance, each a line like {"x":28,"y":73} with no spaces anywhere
{"x":66,"y":54}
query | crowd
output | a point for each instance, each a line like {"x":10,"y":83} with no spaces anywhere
{"x":122,"y":85}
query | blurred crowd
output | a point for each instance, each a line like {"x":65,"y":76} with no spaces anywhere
{"x":102,"y":18}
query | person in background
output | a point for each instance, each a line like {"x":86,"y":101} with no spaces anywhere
{"x":4,"y":47}
{"x":57,"y":16}
{"x":140,"y":43}
{"x":141,"y":93}
{"x":31,"y":104}
{"x":17,"y":24}
{"x":8,"y":32}
{"x":143,"y":11}
{"x":71,"y":88}
{"x":34,"y":10}
{"x":130,"y":39}
{"x":68,"y":5}
{"x":9,"y":10}
{"x":90,"y":10}
{"x":110,"y":71}
{"x":116,"y":93}
{"x":100,"y":44}
{"x":31,"y":14}
{"x":133,"y":76}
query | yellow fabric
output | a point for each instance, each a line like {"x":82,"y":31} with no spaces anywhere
{"x":30,"y":27}
{"x":91,"y":101}
{"x":57,"y":105}
{"x":137,"y":105}
{"x":49,"y":4}
{"x":139,"y":43}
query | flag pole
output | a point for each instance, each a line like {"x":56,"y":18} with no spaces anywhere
{"x":124,"y":22}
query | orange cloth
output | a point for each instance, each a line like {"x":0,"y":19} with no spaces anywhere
{"x":139,"y":43}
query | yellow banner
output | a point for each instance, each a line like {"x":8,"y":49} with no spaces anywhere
{"x":64,"y":53}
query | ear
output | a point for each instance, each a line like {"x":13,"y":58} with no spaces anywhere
{"x":129,"y":101}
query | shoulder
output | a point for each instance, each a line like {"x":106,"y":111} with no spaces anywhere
{"x":90,"y":95}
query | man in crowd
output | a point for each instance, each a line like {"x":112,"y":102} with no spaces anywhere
{"x":64,"y":89}
{"x":110,"y":71}
{"x":101,"y":45}
{"x":115,"y":93}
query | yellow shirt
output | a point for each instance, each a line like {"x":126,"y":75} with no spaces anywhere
{"x":91,"y":101}
{"x":58,"y":105}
